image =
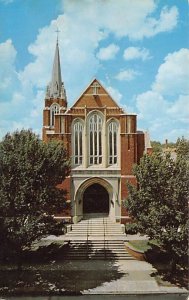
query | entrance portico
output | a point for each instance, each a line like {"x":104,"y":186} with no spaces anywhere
{"x":95,"y":200}
{"x":94,"y":195}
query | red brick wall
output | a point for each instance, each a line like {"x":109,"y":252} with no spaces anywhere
{"x":49,"y":102}
{"x":140,"y":146}
{"x":124,"y":194}
{"x":124,"y":190}
{"x":128,"y":153}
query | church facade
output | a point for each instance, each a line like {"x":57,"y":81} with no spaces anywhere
{"x":102,"y":142}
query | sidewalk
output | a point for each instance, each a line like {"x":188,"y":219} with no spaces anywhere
{"x":110,"y":276}
{"x":131,"y":277}
{"x":134,"y":237}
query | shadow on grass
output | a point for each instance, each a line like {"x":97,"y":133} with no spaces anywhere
{"x":162,"y":262}
{"x":47,"y":272}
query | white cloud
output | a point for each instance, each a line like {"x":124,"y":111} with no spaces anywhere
{"x":179,"y":109}
{"x":8,"y":53}
{"x":116,"y":95}
{"x":173,"y":74}
{"x":7,"y":71}
{"x":165,"y":108}
{"x":126,"y":75}
{"x":17,"y":99}
{"x":83,"y":26}
{"x":108,"y":52}
{"x":74,"y":45}
{"x":136,"y":53}
{"x":150,"y":105}
{"x":128,"y":18}
{"x":76,"y":52}
{"x":168,"y":19}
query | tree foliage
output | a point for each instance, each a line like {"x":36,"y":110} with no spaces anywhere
{"x":156,"y":146}
{"x":159,"y":204}
{"x":182,"y":148}
{"x":29,"y":173}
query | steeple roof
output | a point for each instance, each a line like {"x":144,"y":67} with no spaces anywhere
{"x":55,"y":88}
{"x":56,"y":80}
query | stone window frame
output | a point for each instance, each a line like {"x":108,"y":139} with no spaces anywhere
{"x":95,"y":138}
{"x":78,"y":141}
{"x":113,"y":157}
{"x":54,"y":109}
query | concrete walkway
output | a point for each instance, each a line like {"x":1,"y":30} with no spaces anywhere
{"x":111,"y":277}
{"x":119,"y":277}
{"x":138,"y":237}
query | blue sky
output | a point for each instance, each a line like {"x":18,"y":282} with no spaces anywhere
{"x":137,"y":49}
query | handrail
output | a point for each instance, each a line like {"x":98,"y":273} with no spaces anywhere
{"x":104,"y":240}
{"x":88,"y":239}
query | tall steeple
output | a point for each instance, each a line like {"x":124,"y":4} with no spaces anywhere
{"x":56,"y":88}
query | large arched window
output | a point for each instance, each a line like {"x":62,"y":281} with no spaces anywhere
{"x":95,"y":139}
{"x":77,"y":143}
{"x":53,"y":110}
{"x":112,"y":143}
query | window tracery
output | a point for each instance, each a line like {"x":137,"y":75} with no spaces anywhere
{"x":95,"y":140}
{"x":53,"y":111}
{"x":112,"y":143}
{"x":78,"y":146}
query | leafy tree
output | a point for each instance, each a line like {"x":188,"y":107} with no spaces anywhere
{"x":159,"y":204}
{"x":169,"y":145}
{"x":29,"y":173}
{"x":182,"y":147}
{"x":156,"y":146}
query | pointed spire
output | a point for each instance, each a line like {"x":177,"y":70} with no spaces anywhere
{"x":56,"y":80}
{"x":56,"y":89}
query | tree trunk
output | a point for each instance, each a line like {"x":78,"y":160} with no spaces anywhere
{"x":174,"y":261}
{"x":19,"y":259}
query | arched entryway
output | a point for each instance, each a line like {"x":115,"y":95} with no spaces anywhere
{"x":95,"y":199}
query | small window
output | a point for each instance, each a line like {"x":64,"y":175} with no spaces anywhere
{"x":62,"y":130}
{"x":53,"y":111}
{"x":112,"y":143}
{"x":78,"y":146}
{"x":128,"y":142}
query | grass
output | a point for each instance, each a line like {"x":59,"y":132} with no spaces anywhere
{"x":44,"y":271}
{"x":161,"y":261}
{"x":142,"y":245}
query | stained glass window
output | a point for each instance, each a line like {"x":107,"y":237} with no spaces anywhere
{"x":112,"y":143}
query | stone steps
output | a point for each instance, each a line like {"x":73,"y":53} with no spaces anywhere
{"x":97,"y":238}
{"x":111,"y":232}
{"x":96,"y":250}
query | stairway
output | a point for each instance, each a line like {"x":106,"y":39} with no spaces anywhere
{"x":96,"y":238}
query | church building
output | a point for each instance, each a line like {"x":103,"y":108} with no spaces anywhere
{"x":102,"y":142}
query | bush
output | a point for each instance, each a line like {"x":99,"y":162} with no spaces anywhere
{"x":131,"y":228}
{"x":58,"y":228}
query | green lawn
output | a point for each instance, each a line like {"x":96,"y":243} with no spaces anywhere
{"x":142,"y":245}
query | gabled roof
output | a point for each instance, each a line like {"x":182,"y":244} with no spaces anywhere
{"x":99,"y":99}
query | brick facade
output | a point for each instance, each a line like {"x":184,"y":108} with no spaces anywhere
{"x":102,"y":142}
{"x":131,"y":147}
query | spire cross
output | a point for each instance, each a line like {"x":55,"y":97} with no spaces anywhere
{"x":57,"y":31}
